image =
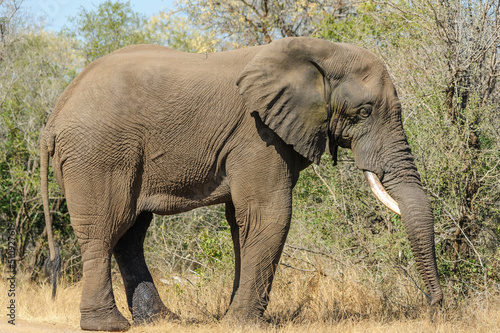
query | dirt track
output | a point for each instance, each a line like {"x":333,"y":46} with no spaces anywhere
{"x":23,"y":326}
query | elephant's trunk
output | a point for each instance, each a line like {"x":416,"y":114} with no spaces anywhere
{"x":415,"y":210}
{"x":418,"y":219}
{"x":403,"y":184}
{"x":401,"y":181}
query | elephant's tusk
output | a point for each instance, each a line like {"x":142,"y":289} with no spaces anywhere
{"x":380,"y":192}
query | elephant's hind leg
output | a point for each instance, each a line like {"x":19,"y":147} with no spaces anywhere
{"x":101,"y":212}
{"x":98,"y":308}
{"x":142,"y":297}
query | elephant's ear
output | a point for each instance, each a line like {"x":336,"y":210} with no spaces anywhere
{"x":287,"y":87}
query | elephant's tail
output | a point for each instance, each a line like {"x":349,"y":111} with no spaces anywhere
{"x":52,"y":264}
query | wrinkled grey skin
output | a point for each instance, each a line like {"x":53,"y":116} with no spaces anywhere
{"x":147,"y":129}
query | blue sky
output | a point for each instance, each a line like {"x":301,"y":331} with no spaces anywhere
{"x":56,"y":12}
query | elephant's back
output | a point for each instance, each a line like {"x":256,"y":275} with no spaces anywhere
{"x":130,"y":79}
{"x":143,"y":97}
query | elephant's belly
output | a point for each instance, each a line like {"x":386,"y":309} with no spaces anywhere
{"x":166,"y":203}
{"x":176,"y":179}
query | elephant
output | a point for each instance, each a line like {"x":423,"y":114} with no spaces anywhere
{"x":150,"y":130}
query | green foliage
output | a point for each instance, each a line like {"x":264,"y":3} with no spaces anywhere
{"x":248,"y":23}
{"x":114,"y":25}
{"x":195,"y":241}
{"x":215,"y":246}
{"x":33,"y":75}
{"x":111,"y":26}
{"x":356,"y":26}
{"x":178,"y":32}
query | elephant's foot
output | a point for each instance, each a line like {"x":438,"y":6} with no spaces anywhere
{"x":103,"y":320}
{"x":147,"y":305}
{"x":244,"y":318}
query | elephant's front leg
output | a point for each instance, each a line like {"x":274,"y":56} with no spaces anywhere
{"x":235,"y":235}
{"x":263,"y":226}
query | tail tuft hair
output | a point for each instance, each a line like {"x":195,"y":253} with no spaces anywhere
{"x":52,"y":268}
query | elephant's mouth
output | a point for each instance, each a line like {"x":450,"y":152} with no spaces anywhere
{"x":380,"y":192}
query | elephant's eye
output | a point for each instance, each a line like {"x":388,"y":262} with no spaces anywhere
{"x":365,"y":111}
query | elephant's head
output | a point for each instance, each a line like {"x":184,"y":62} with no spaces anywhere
{"x":313,"y":94}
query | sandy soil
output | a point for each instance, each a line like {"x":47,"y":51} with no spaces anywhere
{"x":37,"y":312}
{"x":23,"y":326}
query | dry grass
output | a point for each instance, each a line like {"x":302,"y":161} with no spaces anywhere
{"x":312,"y":302}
